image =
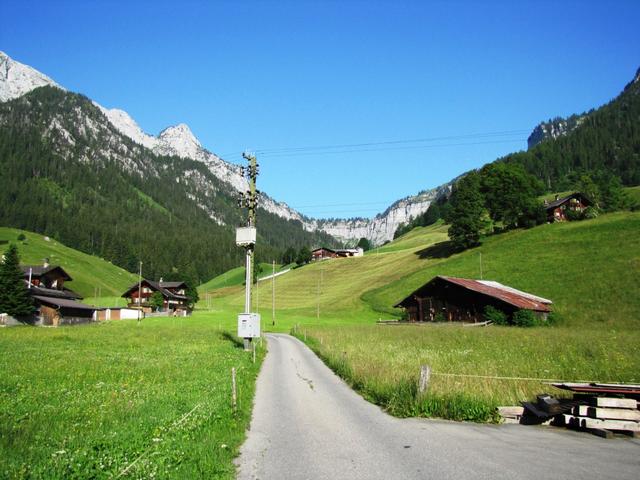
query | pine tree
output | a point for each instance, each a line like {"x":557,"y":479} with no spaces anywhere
{"x":14,"y":296}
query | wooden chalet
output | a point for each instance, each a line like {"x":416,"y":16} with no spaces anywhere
{"x":326,"y":253}
{"x":323,"y":253}
{"x":556,"y":210}
{"x":464,"y":300}
{"x":350,"y":252}
{"x":55,"y":304}
{"x":173,"y":294}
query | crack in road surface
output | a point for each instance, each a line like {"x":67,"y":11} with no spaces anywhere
{"x":304,"y":379}
{"x":329,"y":432}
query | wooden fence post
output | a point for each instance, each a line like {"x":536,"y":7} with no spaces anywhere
{"x":234,"y":394}
{"x":425,"y":374}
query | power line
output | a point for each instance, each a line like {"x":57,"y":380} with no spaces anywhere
{"x":357,"y":147}
{"x":394,"y":142}
{"x":413,"y":147}
{"x":343,"y":204}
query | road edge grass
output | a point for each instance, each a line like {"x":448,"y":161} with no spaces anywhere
{"x":402,"y":398}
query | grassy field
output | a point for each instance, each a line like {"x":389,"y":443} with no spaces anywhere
{"x":383,"y":363}
{"x":121,"y":400}
{"x":590,"y":269}
{"x":88,"y":272}
{"x":232,"y":278}
{"x":575,"y":264}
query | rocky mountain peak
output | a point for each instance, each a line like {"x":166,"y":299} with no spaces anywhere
{"x":16,"y":79}
{"x":179,"y":140}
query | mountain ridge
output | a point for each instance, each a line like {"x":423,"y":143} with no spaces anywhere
{"x":179,"y":140}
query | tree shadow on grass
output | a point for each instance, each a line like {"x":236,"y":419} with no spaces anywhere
{"x":438,"y":250}
{"x":233,"y":339}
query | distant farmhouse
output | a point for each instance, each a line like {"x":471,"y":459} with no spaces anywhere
{"x":464,"y":300}
{"x":55,"y":304}
{"x":327,"y":253}
{"x":173,"y":296}
{"x":557,"y":210}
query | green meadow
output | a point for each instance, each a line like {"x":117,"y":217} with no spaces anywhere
{"x":123,"y":400}
{"x":590,"y":270}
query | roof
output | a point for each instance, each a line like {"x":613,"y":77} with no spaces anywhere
{"x":512,"y":296}
{"x":50,"y":292}
{"x":39,"y":270}
{"x":324,"y":248}
{"x":172,"y":284}
{"x":159,"y":287}
{"x":63,"y":303}
{"x":563,"y":200}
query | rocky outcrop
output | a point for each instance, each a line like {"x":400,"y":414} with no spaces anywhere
{"x":553,"y":129}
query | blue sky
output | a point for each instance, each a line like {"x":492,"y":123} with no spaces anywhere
{"x":280,"y":75}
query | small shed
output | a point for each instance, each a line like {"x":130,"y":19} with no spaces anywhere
{"x":556,"y":210}
{"x":464,"y":300}
{"x":62,"y":311}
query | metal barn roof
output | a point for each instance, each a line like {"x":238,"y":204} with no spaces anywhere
{"x":512,"y":296}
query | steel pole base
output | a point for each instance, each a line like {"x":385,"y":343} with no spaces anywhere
{"x":247,"y":344}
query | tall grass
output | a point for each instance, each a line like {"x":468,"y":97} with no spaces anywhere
{"x":472,"y":369}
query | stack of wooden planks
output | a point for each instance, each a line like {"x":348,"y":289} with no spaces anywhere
{"x":605,"y":415}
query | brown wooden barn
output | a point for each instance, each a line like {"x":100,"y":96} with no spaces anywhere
{"x":62,"y":311}
{"x":173,"y":294}
{"x":464,"y":300}
{"x":323,"y":253}
{"x":556,"y":210}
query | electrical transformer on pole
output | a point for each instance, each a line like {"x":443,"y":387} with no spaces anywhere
{"x":248,"y":323}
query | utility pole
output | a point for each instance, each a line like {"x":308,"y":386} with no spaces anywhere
{"x":248,"y":323}
{"x":273,"y":293}
{"x":140,"y":294}
{"x":480,"y":265}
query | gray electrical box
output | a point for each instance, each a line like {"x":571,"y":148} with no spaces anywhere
{"x":245,"y":236}
{"x":249,"y":325}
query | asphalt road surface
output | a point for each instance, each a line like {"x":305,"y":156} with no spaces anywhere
{"x":308,"y":424}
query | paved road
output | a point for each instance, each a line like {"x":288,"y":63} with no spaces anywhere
{"x":307,"y":424}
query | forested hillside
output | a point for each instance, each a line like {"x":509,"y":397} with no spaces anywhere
{"x":606,"y":139}
{"x":67,"y":173}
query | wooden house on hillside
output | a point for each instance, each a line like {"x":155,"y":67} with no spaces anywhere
{"x":173,"y":295}
{"x":323,"y":253}
{"x":463,"y":300}
{"x":557,"y":210}
{"x":55,"y":304}
{"x":326,"y":253}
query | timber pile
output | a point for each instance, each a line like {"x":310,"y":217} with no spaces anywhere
{"x":603,"y":416}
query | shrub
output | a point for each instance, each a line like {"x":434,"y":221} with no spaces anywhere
{"x":573,"y":215}
{"x":525,"y":318}
{"x":439,"y":317}
{"x":495,"y":315}
{"x":553,"y":318}
{"x":21,"y":237}
{"x":590,"y":212}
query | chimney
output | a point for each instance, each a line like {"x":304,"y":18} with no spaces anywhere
{"x":161,"y":280}
{"x":557,"y":196}
{"x":45,"y":264}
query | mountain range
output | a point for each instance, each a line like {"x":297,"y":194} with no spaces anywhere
{"x":92,"y":177}
{"x":17,"y":79}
